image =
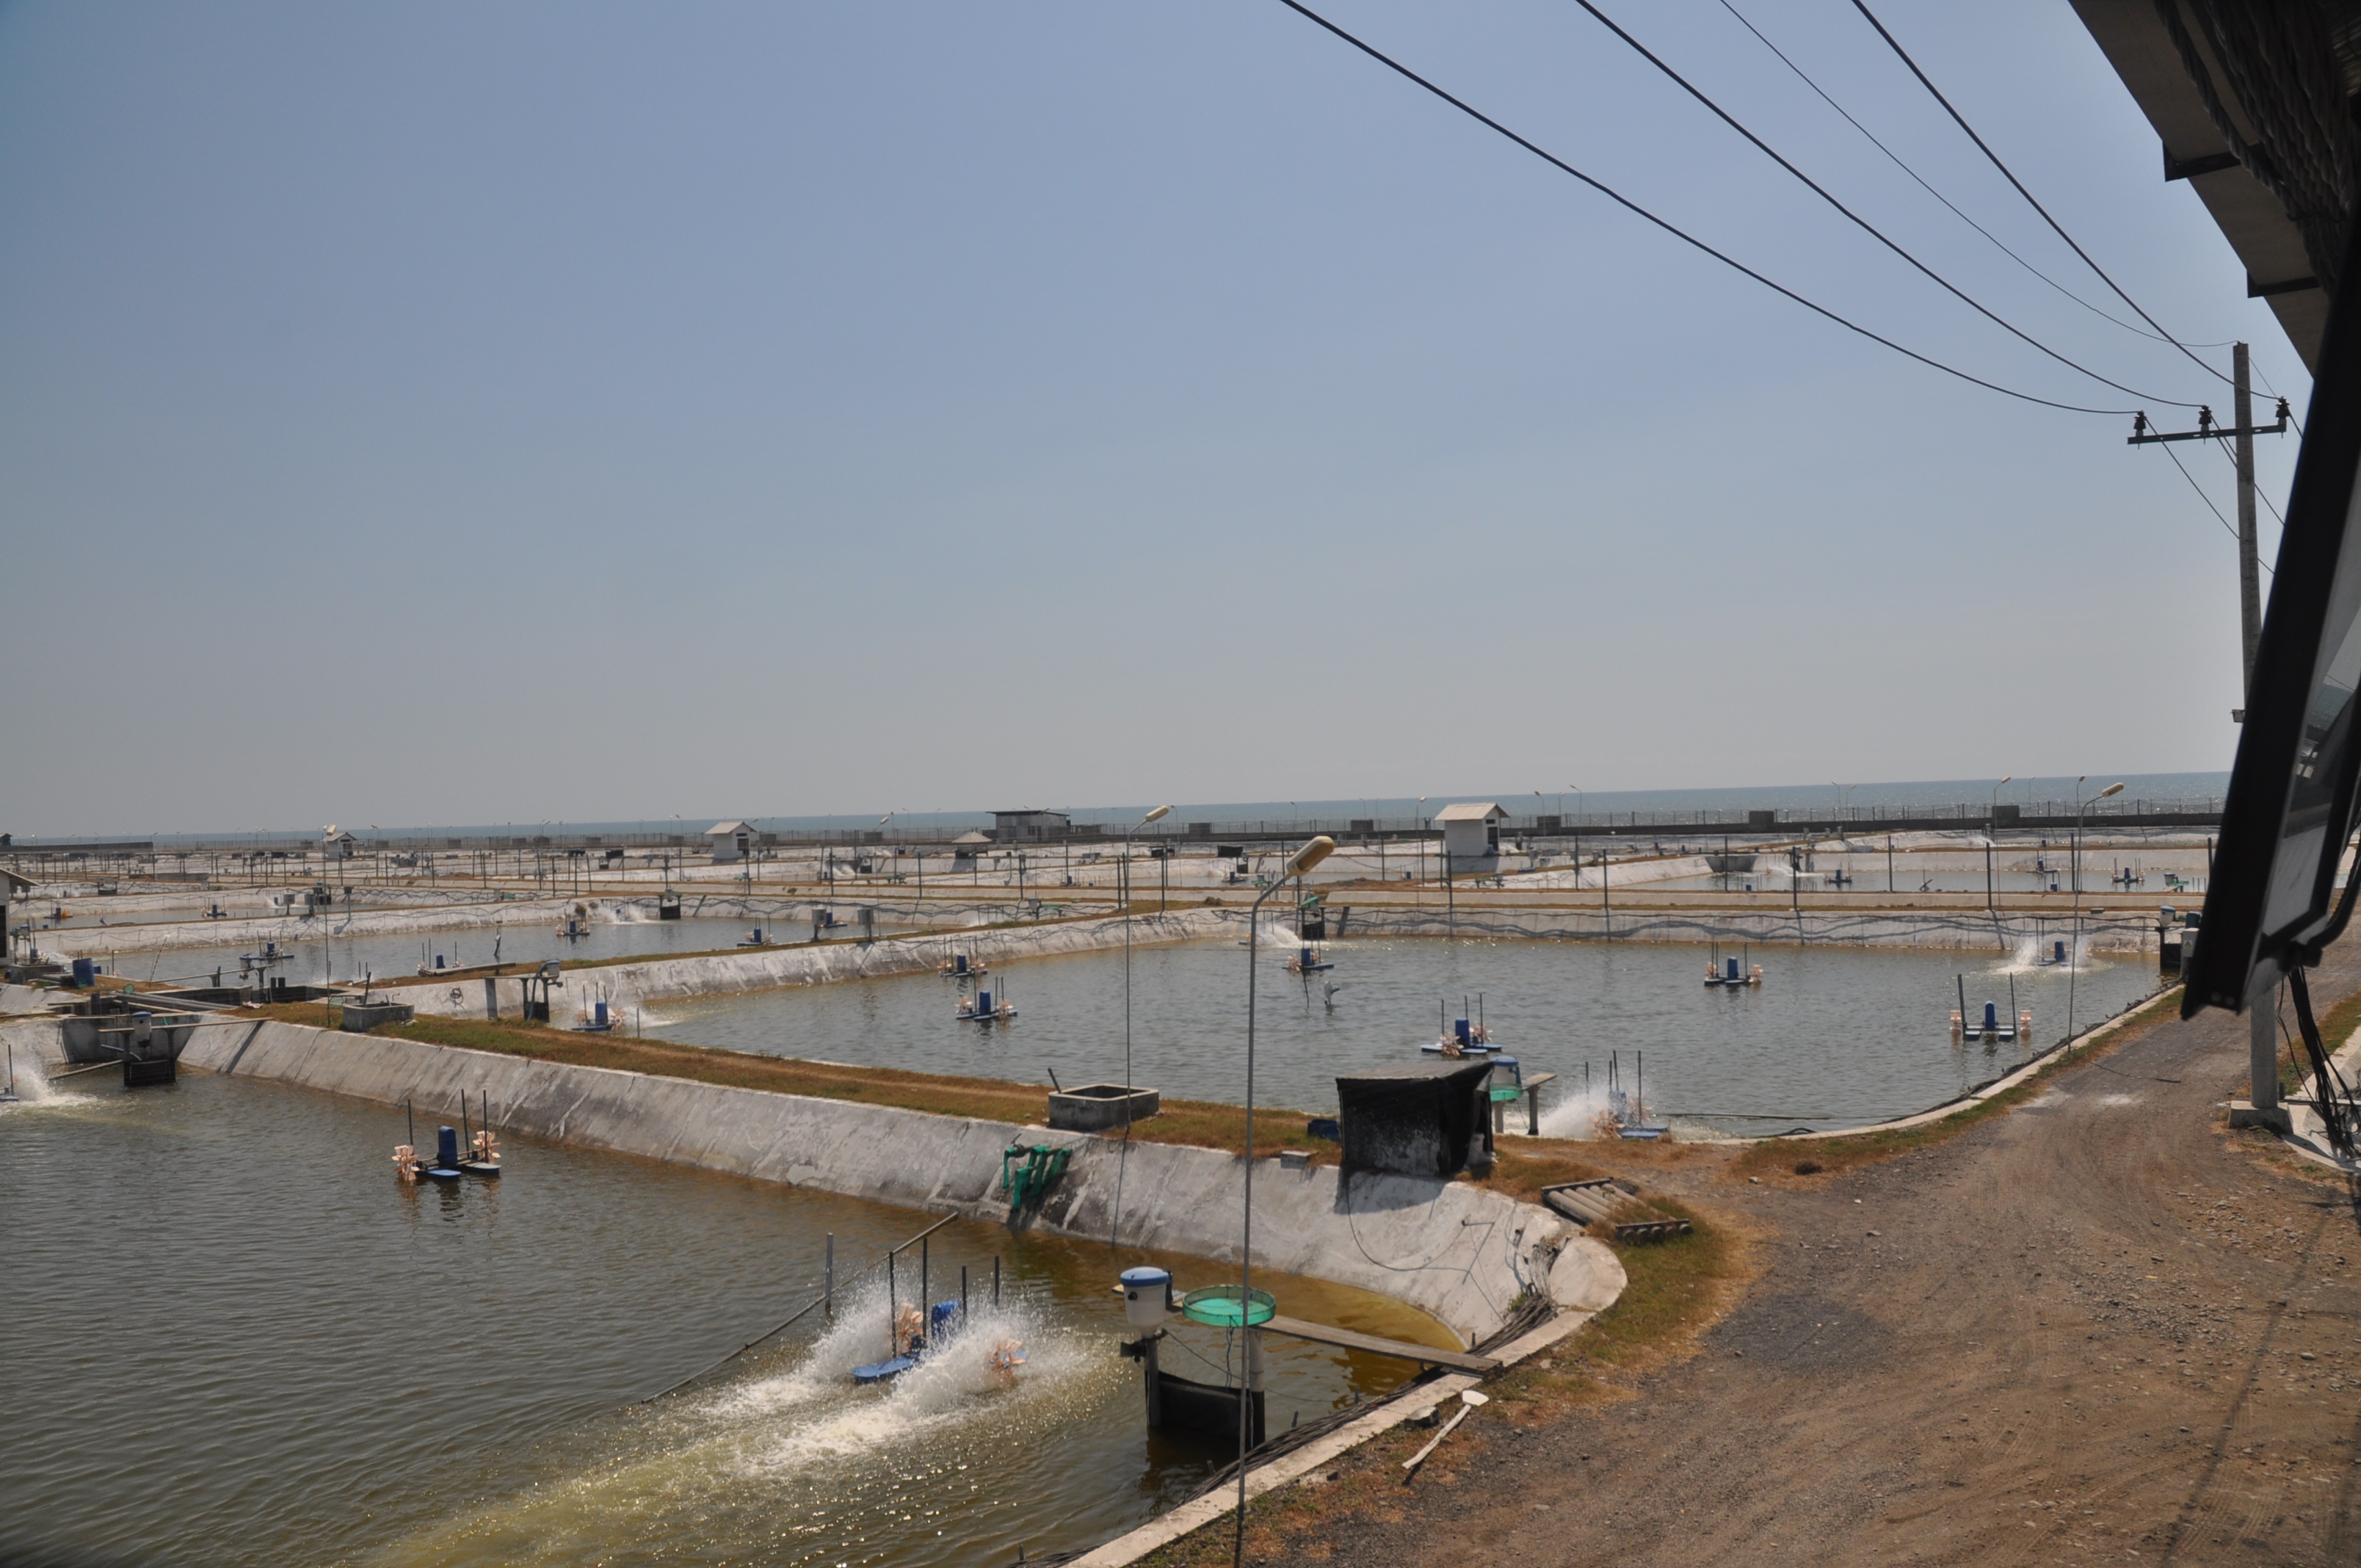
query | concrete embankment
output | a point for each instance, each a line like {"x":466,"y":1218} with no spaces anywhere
{"x":475,"y":913}
{"x":759,"y":969}
{"x":1458,"y":1252}
{"x":763,"y":968}
{"x":1966,"y":931}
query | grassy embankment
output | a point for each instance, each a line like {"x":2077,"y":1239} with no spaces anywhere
{"x":1196,"y":1123}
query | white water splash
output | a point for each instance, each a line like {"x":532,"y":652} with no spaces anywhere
{"x":953,"y":1381}
{"x":1576,"y":1114}
{"x":2033,"y":954}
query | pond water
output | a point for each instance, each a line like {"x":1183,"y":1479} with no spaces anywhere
{"x":1834,"y":1036}
{"x":233,"y":1336}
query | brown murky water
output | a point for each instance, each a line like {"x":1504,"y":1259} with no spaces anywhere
{"x":231,"y":1336}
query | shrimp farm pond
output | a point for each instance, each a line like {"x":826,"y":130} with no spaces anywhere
{"x":1834,"y":1036}
{"x":282,"y":1355}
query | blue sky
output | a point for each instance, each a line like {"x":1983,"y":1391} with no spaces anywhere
{"x":466,"y":413}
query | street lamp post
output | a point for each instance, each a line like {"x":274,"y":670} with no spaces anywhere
{"x":2074,"y":954}
{"x":1577,"y":834}
{"x":1156,"y":816}
{"x":1302,"y":861}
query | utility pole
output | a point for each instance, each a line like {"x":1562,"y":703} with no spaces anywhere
{"x":2250,"y":591}
{"x":2242,"y":438}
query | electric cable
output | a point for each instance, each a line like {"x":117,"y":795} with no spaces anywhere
{"x":1960,"y":120}
{"x":1896,"y":159}
{"x":1680,"y":233}
{"x":2222,"y":444}
{"x":1859,"y":222}
{"x":2201,"y":496}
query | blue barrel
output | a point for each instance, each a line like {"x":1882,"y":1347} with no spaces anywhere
{"x":982,"y":1002}
{"x":1307,"y":957}
{"x":438,"y":960}
{"x":1460,"y":1032}
{"x":2057,"y":949}
{"x":598,"y":1013}
{"x":1733,"y":969}
{"x":446,"y":1147}
{"x":1992,"y":1015}
{"x":959,"y":964}
{"x":85,"y":973}
{"x":941,"y":1319}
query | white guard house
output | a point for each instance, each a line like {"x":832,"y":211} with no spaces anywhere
{"x":336,"y":846}
{"x":1471,"y":835}
{"x":1029,"y":826}
{"x":966,"y":848}
{"x":732,"y":842}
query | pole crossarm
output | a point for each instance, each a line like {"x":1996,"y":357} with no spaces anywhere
{"x":2142,"y":435}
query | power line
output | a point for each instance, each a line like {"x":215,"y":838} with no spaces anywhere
{"x":1896,"y":157}
{"x":1675,"y":231}
{"x":1960,"y":120}
{"x":1862,"y":224}
{"x":2207,"y":500}
{"x":2223,"y":445}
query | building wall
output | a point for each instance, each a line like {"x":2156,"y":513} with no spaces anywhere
{"x":1472,"y":846}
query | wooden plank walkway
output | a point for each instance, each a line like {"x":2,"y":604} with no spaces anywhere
{"x":1457,"y":1360}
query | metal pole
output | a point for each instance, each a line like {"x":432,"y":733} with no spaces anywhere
{"x":995,"y":1279}
{"x":2263,"y":1051}
{"x":1126,"y":976}
{"x":828,"y":1290}
{"x":1246,"y":1233}
{"x":2250,"y":601}
{"x":1450,"y":900}
{"x":2074,"y":951}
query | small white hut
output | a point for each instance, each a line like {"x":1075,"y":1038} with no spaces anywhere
{"x":732,"y":842}
{"x":1471,"y":835}
{"x":336,"y":846}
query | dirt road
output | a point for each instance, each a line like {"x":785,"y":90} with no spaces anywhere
{"x":2096,"y":1329}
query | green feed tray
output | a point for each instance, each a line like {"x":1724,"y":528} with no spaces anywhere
{"x":1216,"y":1306}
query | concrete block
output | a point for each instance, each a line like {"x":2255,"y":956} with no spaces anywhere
{"x":1096,"y":1107}
{"x":1415,"y":1119}
{"x":359,"y":1018}
{"x":2244,"y":1114}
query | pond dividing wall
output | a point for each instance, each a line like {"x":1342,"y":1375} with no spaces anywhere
{"x":1457,"y":1252}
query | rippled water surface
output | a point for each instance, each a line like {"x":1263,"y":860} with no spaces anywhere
{"x":231,"y":1336}
{"x":1834,"y":1035}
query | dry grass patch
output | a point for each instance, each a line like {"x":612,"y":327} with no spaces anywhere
{"x":1677,"y":1289}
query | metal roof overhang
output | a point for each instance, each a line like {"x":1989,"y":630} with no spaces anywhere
{"x":2133,"y":37}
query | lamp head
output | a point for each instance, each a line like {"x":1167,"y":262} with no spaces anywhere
{"x":1156,"y":816}
{"x":1311,"y":855}
{"x":2115,"y":788}
{"x":2004,"y":780}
